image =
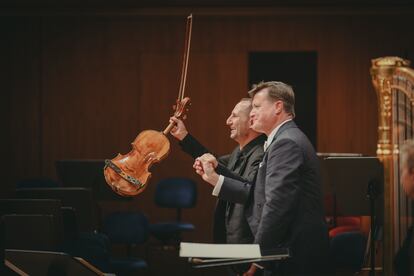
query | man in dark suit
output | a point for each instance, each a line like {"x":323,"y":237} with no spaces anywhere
{"x":285,"y":208}
{"x":230,"y":224}
{"x":404,"y":259}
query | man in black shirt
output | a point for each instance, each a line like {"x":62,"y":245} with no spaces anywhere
{"x":230,"y":224}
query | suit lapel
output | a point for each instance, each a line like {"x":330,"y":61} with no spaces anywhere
{"x":262,"y":165}
{"x":287,"y":125}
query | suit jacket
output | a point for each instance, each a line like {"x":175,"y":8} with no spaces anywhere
{"x":230,"y":223}
{"x":404,"y":259}
{"x":285,"y":208}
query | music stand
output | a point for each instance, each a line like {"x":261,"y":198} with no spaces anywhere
{"x":87,"y":173}
{"x":357,"y":184}
{"x":327,"y":189}
{"x":49,"y":263}
{"x":212,"y":255}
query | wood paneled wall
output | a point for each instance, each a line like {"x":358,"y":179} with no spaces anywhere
{"x":83,"y":86}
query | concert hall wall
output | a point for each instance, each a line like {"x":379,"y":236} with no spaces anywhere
{"x":84,"y":85}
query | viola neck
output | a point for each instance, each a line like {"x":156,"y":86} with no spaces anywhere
{"x":168,"y":128}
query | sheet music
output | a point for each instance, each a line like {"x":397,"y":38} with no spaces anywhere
{"x":208,"y":250}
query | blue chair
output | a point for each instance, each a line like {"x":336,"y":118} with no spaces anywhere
{"x":348,"y":251}
{"x":129,"y":229}
{"x":177,"y":193}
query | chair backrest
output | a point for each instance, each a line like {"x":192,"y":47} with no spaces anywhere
{"x":36,"y":232}
{"x":81,"y":199}
{"x":39,"y":182}
{"x":30,"y":206}
{"x":126,"y":227}
{"x":176,"y":193}
{"x":50,"y":207}
{"x":348,"y":250}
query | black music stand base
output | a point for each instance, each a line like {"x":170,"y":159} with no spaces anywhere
{"x":373,"y":192}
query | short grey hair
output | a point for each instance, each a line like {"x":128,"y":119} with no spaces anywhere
{"x":278,"y":91}
{"x":248,"y":102}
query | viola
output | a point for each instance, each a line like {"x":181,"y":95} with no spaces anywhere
{"x":128,"y":174}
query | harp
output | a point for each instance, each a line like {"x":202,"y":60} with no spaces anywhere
{"x":393,"y":81}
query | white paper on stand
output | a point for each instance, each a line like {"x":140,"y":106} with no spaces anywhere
{"x":208,"y":250}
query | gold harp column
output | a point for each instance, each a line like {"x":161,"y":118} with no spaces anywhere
{"x":382,"y":72}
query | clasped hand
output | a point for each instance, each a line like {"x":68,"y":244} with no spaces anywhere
{"x":205,"y":166}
